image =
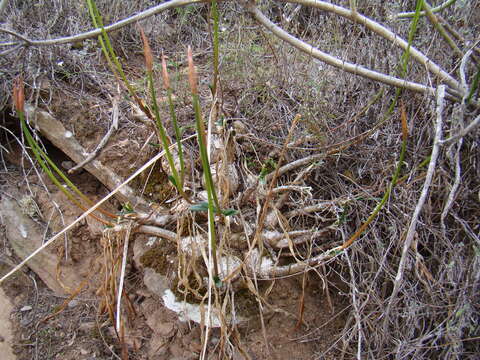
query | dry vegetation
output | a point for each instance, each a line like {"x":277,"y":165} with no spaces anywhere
{"x":409,"y":283}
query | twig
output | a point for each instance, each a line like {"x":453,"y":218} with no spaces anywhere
{"x":437,"y":24}
{"x":118,"y":25}
{"x":463,"y":65}
{"x":322,"y":206}
{"x":413,"y":223}
{"x":356,"y":308}
{"x":423,"y":13}
{"x":156,"y":231}
{"x":462,"y":133}
{"x":17,"y":35}
{"x":336,"y":62}
{"x":266,"y":205}
{"x":296,"y":164}
{"x":8,"y":51}
{"x":103,"y":142}
{"x":122,"y":276}
{"x":453,"y":190}
{"x":388,"y":35}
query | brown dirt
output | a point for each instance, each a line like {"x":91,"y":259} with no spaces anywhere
{"x":81,"y":331}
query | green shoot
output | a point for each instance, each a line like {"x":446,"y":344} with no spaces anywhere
{"x":200,"y":127}
{"x":173,"y":117}
{"x":215,"y":47}
{"x":45,"y":162}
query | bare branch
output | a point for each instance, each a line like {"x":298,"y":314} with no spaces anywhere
{"x":423,"y":13}
{"x":118,"y":25}
{"x":423,"y":196}
{"x":385,"y":33}
{"x":331,"y":60}
{"x":462,"y":133}
{"x":103,"y":142}
{"x":17,"y":35}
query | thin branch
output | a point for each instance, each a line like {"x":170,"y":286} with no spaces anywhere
{"x":356,"y":308}
{"x":423,"y":13}
{"x":456,"y":184}
{"x":331,"y":60}
{"x":437,"y":24}
{"x":462,"y":133}
{"x":102,"y":142}
{"x":8,"y":51}
{"x":17,"y":35}
{"x":158,"y":232}
{"x":423,"y":196}
{"x":386,"y":34}
{"x":122,"y":277}
{"x":118,"y":25}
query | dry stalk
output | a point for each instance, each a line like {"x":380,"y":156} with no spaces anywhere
{"x":122,"y":276}
{"x":413,"y":222}
{"x":356,"y":307}
{"x":462,"y":133}
{"x":385,"y":33}
{"x":276,"y":174}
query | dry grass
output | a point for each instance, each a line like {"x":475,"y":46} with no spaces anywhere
{"x":264,"y":84}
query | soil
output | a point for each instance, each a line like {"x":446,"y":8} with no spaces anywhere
{"x":296,"y":322}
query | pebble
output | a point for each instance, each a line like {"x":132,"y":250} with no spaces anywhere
{"x":26,"y":308}
{"x":73,"y":303}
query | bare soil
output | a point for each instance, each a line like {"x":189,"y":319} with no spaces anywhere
{"x":299,"y":322}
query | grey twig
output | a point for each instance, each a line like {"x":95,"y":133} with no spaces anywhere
{"x":423,"y":196}
{"x":462,"y":133}
{"x":104,"y":140}
{"x":390,"y":36}
{"x":336,"y":62}
{"x":17,"y":35}
{"x":423,"y":13}
{"x":96,"y":32}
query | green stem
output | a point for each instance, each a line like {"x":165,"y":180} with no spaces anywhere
{"x":178,"y":135}
{"x":215,"y":47}
{"x":163,"y":136}
{"x":211,"y":193}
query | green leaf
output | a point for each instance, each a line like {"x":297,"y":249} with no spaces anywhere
{"x":218,"y":282}
{"x":127,"y":208}
{"x":229,"y":212}
{"x":202,"y":206}
{"x":172,"y":180}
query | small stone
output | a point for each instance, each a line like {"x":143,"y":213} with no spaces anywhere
{"x":73,"y":303}
{"x":26,"y":308}
{"x":84,"y":351}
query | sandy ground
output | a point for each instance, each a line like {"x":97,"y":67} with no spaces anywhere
{"x":6,"y":337}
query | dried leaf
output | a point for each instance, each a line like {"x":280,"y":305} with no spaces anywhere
{"x":147,"y":51}
{"x":192,"y":74}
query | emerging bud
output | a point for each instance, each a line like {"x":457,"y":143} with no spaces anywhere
{"x":147,"y":51}
{"x":166,"y":79}
{"x":192,"y":74}
{"x":18,"y":94}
